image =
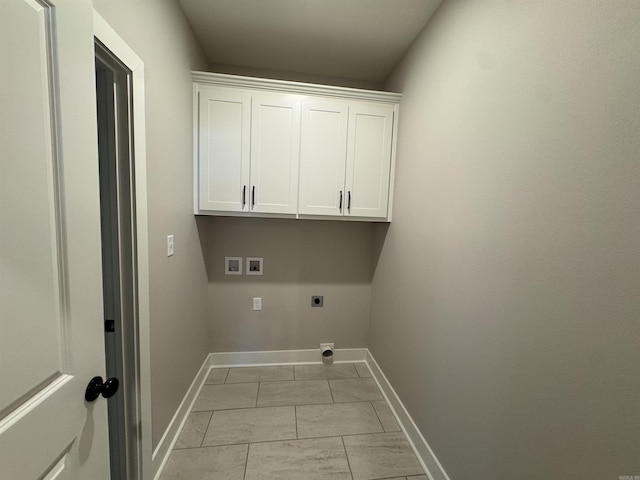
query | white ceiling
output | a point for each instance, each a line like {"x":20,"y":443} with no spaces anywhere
{"x":356,"y":39}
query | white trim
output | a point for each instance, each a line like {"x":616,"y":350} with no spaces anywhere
{"x":165,"y":445}
{"x":392,"y":166}
{"x":427,"y":458}
{"x":294,"y":87}
{"x":196,"y":154}
{"x":284,"y":357}
{"x":343,"y":218}
{"x":113,"y":42}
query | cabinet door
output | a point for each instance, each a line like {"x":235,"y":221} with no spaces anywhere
{"x":323,"y":156}
{"x":223,"y":149}
{"x":275,"y":153}
{"x":369,"y":159}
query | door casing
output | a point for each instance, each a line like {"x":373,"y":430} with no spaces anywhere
{"x":137,"y":350}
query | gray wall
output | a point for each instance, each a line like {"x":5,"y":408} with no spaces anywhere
{"x":294,"y":76}
{"x":157,"y":32}
{"x":505,"y":304}
{"x":301,"y":258}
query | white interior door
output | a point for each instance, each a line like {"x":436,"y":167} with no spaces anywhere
{"x":51,"y":334}
{"x":323,"y":155}
{"x":275,"y":153}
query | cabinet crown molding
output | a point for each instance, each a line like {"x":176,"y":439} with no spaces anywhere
{"x":283,"y":86}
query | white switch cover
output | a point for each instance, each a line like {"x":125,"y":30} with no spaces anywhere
{"x":169,"y":245}
{"x":257,"y":303}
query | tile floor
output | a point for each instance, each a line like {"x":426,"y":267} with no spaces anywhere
{"x":307,"y":422}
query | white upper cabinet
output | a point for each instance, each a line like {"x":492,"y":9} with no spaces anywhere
{"x":345,"y":159}
{"x":285,"y":149}
{"x":224,"y":119}
{"x":323,"y":157}
{"x":275,"y":153}
{"x":368,"y":160}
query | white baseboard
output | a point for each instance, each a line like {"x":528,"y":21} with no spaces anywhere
{"x":171,"y":434}
{"x":425,"y":455}
{"x":284,"y":357}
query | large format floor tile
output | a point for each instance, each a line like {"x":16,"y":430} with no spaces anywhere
{"x":324,"y":372}
{"x":294,"y":393}
{"x":303,"y":422}
{"x":222,"y":397}
{"x":315,"y":459}
{"x":363,"y":370}
{"x":251,"y":425}
{"x":381,"y":455}
{"x":354,"y":390}
{"x":260,"y":374}
{"x":337,"y":419}
{"x":413,"y":477}
{"x":193,"y":430}
{"x":209,"y":463}
{"x":216,"y":376}
{"x":386,"y":417}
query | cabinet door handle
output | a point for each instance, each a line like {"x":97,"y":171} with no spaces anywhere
{"x":349,"y":200}
{"x":253,"y":196}
{"x":244,"y":193}
{"x":340,"y":200}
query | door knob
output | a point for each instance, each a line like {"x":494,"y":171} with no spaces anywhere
{"x":96,"y":388}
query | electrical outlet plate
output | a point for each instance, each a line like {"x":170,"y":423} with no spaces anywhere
{"x":257,"y":303}
{"x":169,"y":245}
{"x":317,"y":300}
